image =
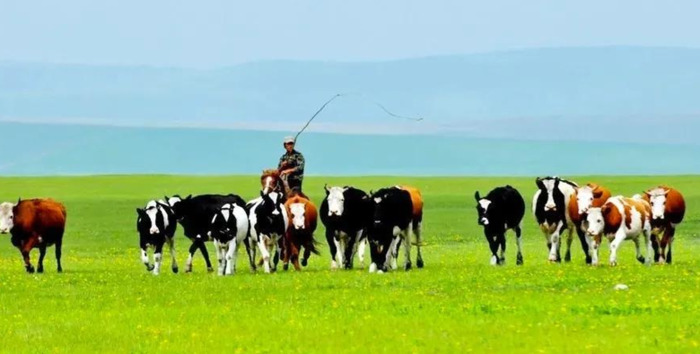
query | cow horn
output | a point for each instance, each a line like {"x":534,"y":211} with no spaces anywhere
{"x":325,"y":186}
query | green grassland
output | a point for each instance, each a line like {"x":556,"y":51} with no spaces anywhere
{"x":105,"y":300}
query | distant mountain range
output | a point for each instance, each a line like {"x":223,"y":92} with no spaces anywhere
{"x":601,"y":93}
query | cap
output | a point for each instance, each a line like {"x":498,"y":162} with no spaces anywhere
{"x":289,"y":139}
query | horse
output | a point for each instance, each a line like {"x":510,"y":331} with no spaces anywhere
{"x":272,"y":181}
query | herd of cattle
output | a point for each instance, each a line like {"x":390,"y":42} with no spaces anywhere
{"x":562,"y":206}
{"x":281,"y":223}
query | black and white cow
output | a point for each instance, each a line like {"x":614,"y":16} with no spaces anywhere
{"x":346,"y":212}
{"x":550,"y":205}
{"x":501,"y":210}
{"x":229,"y":228}
{"x":397,"y":214}
{"x":268,"y":224}
{"x":195,"y":215}
{"x":156,"y":226}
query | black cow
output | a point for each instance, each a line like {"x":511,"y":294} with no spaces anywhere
{"x":346,"y":212}
{"x":195,"y":214}
{"x":398,"y":213}
{"x":501,"y":210}
{"x":156,"y":226}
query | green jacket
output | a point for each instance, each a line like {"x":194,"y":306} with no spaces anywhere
{"x":293,"y":160}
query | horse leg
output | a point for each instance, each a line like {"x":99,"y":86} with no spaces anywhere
{"x":519,"y":242}
{"x":279,"y":248}
{"x":42,"y":253}
{"x":171,"y":245}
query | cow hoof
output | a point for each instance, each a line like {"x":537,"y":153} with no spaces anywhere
{"x":501,"y":261}
{"x":613,"y":263}
{"x":419,"y":263}
{"x":210,"y":269}
{"x":59,"y":269}
{"x":188,"y":270}
{"x":304,"y":262}
{"x":176,"y":270}
{"x":641,"y":260}
{"x":40,"y":270}
{"x":407,"y":266}
{"x":519,"y":260}
{"x":285,"y":267}
{"x":588,"y":260}
{"x":29,"y":269}
{"x":567,"y":257}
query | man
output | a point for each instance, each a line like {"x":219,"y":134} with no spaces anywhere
{"x":291,"y":165}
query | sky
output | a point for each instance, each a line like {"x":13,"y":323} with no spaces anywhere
{"x":209,"y":34}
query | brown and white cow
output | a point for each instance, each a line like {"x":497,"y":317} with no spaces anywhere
{"x":34,"y":223}
{"x":589,"y":196}
{"x":667,"y":211}
{"x":303,"y":218}
{"x":619,"y":219}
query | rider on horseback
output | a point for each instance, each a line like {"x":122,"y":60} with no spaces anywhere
{"x":291,"y":165}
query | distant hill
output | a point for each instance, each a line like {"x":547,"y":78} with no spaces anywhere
{"x":560,"y":93}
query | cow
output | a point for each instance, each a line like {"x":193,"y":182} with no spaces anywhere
{"x":195,"y":215}
{"x":346,"y":212}
{"x":156,"y":226}
{"x":589,"y":196}
{"x":303,"y":218}
{"x":619,"y":219}
{"x":667,"y":211}
{"x":229,"y":228}
{"x":398,"y":213}
{"x":501,"y":210}
{"x":549,"y":205}
{"x":34,"y":223}
{"x":268,"y":225}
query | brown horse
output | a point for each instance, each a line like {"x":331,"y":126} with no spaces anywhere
{"x":303,"y":217}
{"x":272,"y":181}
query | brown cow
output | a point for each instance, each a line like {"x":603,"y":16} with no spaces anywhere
{"x":303,"y":218}
{"x":589,"y":196}
{"x":667,"y":211}
{"x":34,"y":223}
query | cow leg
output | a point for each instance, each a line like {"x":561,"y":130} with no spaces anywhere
{"x":655,"y":247}
{"x":592,"y":250}
{"x":59,"y":244}
{"x":350,"y":249}
{"x":393,"y":254}
{"x":218,"y":248}
{"x":157,"y":258}
{"x":615,"y":245}
{"x":330,"y":240}
{"x":519,"y":243}
{"x":294,"y":251}
{"x":407,"y":264}
{"x":569,"y":241}
{"x":339,"y":243}
{"x":638,"y":250}
{"x":26,"y":248}
{"x":205,"y":254}
{"x":264,"y":252}
{"x":361,"y":244}
{"x":279,"y":248}
{"x":418,"y":233}
{"x":493,"y":245}
{"x":171,"y":246}
{"x":250,"y":251}
{"x":554,"y":255}
{"x":584,"y":245}
{"x":502,"y":246}
{"x":190,"y":257}
{"x":307,"y":253}
{"x":667,"y":240}
{"x":42,"y":254}
{"x":230,"y":256}
{"x":144,"y":258}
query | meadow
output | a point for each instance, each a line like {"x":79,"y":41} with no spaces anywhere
{"x":106,"y":301}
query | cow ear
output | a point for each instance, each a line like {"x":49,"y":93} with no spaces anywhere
{"x":476,"y":196}
{"x":189,"y":196}
{"x":597,"y":193}
{"x":139,"y":211}
{"x":262,"y":194}
{"x":605,"y":209}
{"x":538,"y":182}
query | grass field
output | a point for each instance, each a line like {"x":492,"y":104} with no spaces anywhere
{"x":106,"y":301}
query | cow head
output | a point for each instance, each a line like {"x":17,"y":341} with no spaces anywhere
{"x":270,"y":214}
{"x":550,"y":190}
{"x":148,"y":218}
{"x":298,"y":211}
{"x":336,"y":200}
{"x":221,"y":221}
{"x":595,"y":223}
{"x":178,"y":205}
{"x":482,"y":209}
{"x":7,"y":216}
{"x":585,"y":196}
{"x":657,"y":200}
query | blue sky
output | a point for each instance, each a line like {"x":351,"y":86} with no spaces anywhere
{"x":207,"y":34}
